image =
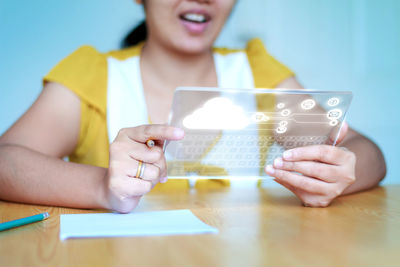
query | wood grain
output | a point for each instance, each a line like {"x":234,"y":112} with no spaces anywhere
{"x":258,"y":227}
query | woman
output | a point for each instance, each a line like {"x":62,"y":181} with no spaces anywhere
{"x":90,"y":100}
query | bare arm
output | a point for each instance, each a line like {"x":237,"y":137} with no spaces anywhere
{"x":370,"y":167}
{"x":32,"y":169}
{"x":370,"y":164}
{"x":31,"y":152}
{"x":29,"y":176}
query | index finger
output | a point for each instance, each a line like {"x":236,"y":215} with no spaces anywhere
{"x":323,"y":153}
{"x":157,"y":132}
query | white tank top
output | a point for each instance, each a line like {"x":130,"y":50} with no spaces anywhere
{"x":126,"y":106}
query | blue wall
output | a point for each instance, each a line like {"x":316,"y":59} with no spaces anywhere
{"x":336,"y":45}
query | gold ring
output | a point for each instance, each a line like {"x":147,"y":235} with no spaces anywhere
{"x":140,"y":170}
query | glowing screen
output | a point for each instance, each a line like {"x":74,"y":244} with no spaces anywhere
{"x":235,"y":133}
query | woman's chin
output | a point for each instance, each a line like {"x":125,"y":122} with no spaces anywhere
{"x":194,"y":47}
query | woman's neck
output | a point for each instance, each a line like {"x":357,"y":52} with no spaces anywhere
{"x":163,"y":70}
{"x":163,"y":66}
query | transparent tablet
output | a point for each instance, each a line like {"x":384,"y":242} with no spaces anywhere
{"x":234,"y":133}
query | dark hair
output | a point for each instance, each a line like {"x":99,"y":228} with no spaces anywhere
{"x":137,"y":35}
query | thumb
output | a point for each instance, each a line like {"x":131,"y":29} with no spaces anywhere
{"x":342,"y":134}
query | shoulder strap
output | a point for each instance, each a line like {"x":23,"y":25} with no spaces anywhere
{"x":267,"y":71}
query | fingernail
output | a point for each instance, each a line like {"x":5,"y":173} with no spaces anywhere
{"x":179,"y":133}
{"x":163,"y":180}
{"x":278,"y":163}
{"x":287,"y":154}
{"x":269,"y":169}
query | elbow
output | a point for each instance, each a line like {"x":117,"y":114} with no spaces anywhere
{"x":381,"y":170}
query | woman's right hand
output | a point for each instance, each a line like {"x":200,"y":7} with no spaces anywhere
{"x":123,"y":189}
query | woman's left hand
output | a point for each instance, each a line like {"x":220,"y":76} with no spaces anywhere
{"x":325,"y":172}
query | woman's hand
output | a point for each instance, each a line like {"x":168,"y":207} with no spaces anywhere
{"x":325,"y":172}
{"x":123,"y":189}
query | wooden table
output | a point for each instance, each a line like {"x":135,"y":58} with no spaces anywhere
{"x":258,"y":227}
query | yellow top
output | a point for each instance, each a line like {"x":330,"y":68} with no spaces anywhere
{"x":85,"y":73}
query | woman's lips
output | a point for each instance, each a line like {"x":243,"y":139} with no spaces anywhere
{"x":195,"y":28}
{"x":195,"y":22}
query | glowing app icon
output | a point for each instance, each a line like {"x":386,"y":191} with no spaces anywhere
{"x":308,"y":104}
{"x":333,"y":122}
{"x":283,"y":123}
{"x":281,"y":130}
{"x":334,"y":114}
{"x":285,"y":112}
{"x":334,"y":101}
{"x":280,"y":105}
{"x":259,"y":117}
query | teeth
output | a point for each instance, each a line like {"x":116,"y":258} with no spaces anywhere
{"x":195,"y":17}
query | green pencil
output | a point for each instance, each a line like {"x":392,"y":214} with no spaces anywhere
{"x":23,"y":221}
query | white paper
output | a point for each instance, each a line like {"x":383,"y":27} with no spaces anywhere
{"x":171,"y":222}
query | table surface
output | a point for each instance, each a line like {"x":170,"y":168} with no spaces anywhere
{"x":257,"y":227}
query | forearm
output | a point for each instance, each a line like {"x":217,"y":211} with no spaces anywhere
{"x":31,"y":177}
{"x":370,"y":164}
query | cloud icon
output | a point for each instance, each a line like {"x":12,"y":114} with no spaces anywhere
{"x":219,"y":114}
